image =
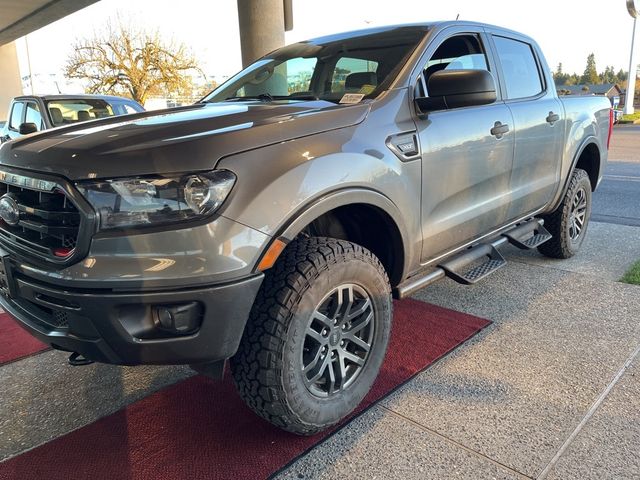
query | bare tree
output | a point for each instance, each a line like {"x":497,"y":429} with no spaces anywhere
{"x":123,"y":60}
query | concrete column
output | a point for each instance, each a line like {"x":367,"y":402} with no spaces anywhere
{"x":261,"y":27}
{"x":10,"y":82}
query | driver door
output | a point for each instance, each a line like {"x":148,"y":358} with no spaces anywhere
{"x":16,"y":118}
{"x":466,"y":169}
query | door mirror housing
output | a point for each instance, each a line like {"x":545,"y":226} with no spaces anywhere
{"x":27,"y":128}
{"x":458,"y":88}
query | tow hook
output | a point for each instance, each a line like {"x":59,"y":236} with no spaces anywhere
{"x":77,"y":360}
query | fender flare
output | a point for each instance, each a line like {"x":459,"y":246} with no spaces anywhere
{"x":583,"y":146}
{"x":315,"y":208}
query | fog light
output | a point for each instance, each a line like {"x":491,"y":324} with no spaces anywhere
{"x":180,"y":318}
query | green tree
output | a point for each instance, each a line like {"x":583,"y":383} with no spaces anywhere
{"x":621,"y":76}
{"x":608,"y":76}
{"x":127,"y":61}
{"x":590,"y":75}
{"x":559,"y":77}
{"x":573,"y":79}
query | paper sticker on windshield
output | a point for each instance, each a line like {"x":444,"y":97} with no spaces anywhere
{"x":367,"y":89}
{"x":352,"y":98}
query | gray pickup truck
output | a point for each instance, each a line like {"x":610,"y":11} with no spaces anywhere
{"x":33,"y":113}
{"x":271,"y":223}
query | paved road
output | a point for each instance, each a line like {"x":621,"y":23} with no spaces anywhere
{"x":617,"y":200}
{"x":625,"y":144}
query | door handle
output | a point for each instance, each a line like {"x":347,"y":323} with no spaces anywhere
{"x":552,"y":118}
{"x":499,"y":129}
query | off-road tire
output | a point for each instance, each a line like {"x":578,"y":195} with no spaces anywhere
{"x":558,"y":223}
{"x":267,"y":369}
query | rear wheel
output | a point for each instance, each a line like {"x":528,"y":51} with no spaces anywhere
{"x":568,"y":224}
{"x":316,"y":336}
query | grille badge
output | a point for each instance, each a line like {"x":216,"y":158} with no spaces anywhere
{"x":9,"y":211}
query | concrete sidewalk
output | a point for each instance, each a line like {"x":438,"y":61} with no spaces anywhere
{"x":549,"y":391}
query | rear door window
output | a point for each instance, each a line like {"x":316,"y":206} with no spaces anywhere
{"x":519,"y":66}
{"x":16,"y":116}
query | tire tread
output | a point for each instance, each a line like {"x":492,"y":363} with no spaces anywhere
{"x":559,"y":245}
{"x":257,"y":366}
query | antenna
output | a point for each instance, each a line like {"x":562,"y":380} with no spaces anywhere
{"x":458,"y":17}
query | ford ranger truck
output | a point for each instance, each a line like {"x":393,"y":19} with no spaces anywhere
{"x":33,"y":113}
{"x":270,"y":224}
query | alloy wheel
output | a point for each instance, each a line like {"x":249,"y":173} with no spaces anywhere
{"x":578,"y":216}
{"x":338,"y":340}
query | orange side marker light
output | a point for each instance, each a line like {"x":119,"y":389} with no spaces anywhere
{"x":271,"y":255}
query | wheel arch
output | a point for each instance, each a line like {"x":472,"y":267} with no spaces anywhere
{"x":588,"y":157}
{"x":367,"y":217}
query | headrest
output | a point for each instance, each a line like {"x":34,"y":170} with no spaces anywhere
{"x":83,"y":116}
{"x":56,"y":116}
{"x":359,"y":79}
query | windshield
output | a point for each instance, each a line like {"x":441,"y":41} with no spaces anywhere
{"x":362,"y":64}
{"x":65,"y":112}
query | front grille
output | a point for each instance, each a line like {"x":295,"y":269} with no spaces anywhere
{"x":49,"y":222}
{"x":60,"y":319}
{"x":44,"y":316}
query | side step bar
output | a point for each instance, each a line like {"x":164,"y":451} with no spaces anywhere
{"x":527,"y":235}
{"x":458,"y":267}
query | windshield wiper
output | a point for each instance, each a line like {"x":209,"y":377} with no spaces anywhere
{"x":265,"y":97}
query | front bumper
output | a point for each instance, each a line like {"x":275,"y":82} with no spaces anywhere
{"x":120,"y":328}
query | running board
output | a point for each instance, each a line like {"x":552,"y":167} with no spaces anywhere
{"x":526,"y":235}
{"x":529,"y":235}
{"x":463,"y":268}
{"x":418,"y":282}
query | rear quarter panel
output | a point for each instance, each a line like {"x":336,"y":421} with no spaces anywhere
{"x":587,"y":121}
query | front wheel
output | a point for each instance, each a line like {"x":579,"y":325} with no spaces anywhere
{"x":316,"y":336}
{"x":568,"y":223}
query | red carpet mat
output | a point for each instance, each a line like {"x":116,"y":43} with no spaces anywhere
{"x":16,"y":343}
{"x":200,"y":429}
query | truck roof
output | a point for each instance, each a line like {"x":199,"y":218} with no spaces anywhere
{"x":418,"y":25}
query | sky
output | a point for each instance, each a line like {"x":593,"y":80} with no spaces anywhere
{"x":567,"y":30}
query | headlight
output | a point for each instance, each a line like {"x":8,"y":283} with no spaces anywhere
{"x":157,"y":200}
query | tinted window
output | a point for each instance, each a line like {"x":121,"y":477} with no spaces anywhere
{"x":462,"y":52}
{"x":34,"y":116}
{"x":521,"y":73}
{"x":16,"y":115}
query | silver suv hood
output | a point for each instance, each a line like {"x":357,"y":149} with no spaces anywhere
{"x":184,"y":139}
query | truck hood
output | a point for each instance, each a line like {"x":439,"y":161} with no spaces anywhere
{"x":184,"y":139}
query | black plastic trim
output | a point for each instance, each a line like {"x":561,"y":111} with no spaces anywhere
{"x":86,"y":228}
{"x":99,"y":326}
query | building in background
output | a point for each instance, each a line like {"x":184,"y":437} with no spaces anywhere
{"x":610,"y":90}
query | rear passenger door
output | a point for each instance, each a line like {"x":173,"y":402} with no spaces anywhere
{"x":538,"y":119}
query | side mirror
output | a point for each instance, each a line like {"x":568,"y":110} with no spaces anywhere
{"x":458,"y":88}
{"x":27,"y":128}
